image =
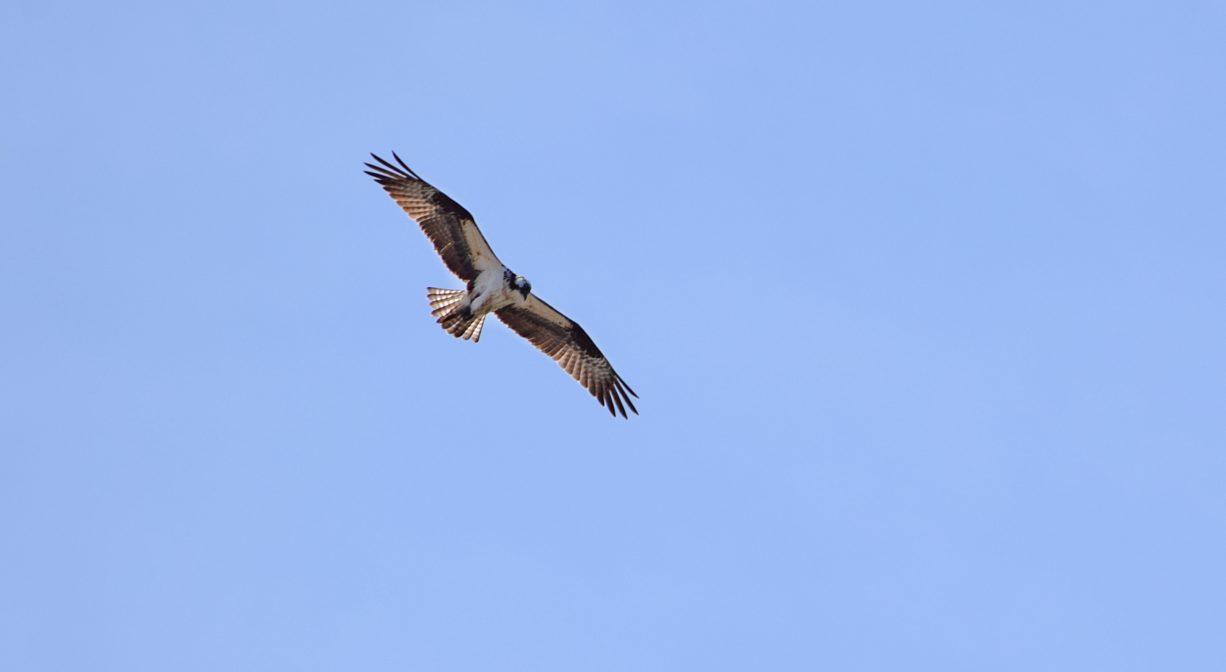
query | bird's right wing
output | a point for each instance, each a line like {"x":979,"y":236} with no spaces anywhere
{"x":446,"y":223}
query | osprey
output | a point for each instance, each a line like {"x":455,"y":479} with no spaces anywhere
{"x":494,"y":288}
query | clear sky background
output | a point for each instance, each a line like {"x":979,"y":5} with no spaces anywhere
{"x":924,"y":303}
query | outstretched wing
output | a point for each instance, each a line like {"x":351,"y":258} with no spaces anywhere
{"x":446,"y":223}
{"x":569,"y":345}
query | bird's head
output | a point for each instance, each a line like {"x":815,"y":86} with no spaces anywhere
{"x":522,"y":285}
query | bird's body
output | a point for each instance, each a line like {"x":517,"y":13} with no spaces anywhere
{"x":494,"y":288}
{"x":462,"y":312}
{"x":493,"y":291}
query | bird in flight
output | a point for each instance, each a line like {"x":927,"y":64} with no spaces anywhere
{"x":494,"y":288}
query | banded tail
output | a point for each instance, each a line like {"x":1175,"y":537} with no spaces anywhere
{"x":453,"y":315}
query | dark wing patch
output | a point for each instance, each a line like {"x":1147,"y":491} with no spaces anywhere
{"x":570,"y":346}
{"x":442,"y":220}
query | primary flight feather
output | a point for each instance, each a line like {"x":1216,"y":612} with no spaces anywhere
{"x":494,"y":288}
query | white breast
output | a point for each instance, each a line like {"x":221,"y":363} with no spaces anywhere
{"x":490,"y":292}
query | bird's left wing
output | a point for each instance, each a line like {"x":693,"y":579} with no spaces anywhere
{"x":569,"y":345}
{"x":446,"y":223}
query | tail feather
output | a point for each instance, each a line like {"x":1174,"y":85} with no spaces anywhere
{"x":444,"y":301}
{"x":472,"y":331}
{"x":453,"y":315}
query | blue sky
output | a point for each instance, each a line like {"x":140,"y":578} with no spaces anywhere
{"x":924,"y":303}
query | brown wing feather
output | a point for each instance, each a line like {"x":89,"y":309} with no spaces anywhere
{"x":444,"y":221}
{"x":569,"y":345}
